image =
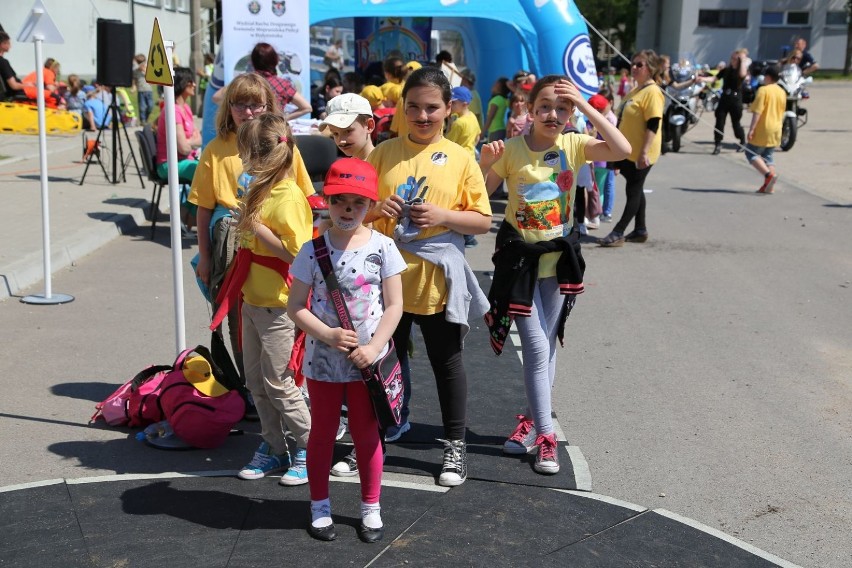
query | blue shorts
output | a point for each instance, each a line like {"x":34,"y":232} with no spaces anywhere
{"x":753,"y":152}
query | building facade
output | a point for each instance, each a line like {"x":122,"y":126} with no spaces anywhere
{"x":707,"y":31}
{"x":77,"y":22}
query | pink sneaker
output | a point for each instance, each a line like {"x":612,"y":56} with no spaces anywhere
{"x":522,"y":440}
{"x":547,"y":460}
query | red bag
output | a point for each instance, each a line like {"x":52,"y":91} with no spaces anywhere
{"x":115,"y":408}
{"x":197,"y":405}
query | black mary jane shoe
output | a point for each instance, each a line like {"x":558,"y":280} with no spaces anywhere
{"x":323,"y":533}
{"x":367,"y":534}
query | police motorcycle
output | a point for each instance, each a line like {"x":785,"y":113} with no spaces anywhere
{"x":682,"y":104}
{"x":793,"y":82}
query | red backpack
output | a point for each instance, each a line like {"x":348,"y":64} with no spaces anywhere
{"x":383,"y":117}
{"x":192,"y":395}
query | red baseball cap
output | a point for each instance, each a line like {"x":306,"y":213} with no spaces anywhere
{"x":351,"y":175}
{"x":598,"y":102}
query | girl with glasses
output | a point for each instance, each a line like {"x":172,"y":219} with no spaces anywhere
{"x":219,"y":182}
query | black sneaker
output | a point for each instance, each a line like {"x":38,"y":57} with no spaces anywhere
{"x":454,"y":470}
{"x":347,"y":467}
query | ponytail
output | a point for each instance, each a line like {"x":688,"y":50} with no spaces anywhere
{"x":266,"y":148}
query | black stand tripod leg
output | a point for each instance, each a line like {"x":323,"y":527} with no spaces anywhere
{"x":133,"y":156}
{"x":95,"y":150}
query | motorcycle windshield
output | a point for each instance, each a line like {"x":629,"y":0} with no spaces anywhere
{"x":790,"y":74}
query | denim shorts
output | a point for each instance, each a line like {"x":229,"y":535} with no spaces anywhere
{"x":753,"y":152}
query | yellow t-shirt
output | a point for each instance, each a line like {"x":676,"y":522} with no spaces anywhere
{"x":475,"y":106}
{"x":216,"y":179}
{"x":287,"y":213}
{"x":465,"y":132}
{"x":640,"y":105}
{"x":541,"y":196}
{"x":399,"y":125}
{"x":454,"y":182}
{"x":771,"y":102}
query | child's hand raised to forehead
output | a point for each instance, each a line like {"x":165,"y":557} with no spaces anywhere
{"x":565,"y":89}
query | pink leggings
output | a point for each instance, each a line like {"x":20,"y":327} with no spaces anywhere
{"x":326,"y":400}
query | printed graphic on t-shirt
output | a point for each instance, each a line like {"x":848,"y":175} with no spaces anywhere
{"x":243,"y":184}
{"x":439,"y":158}
{"x":541,"y":204}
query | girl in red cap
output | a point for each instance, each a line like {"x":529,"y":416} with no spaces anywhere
{"x":367,"y":265}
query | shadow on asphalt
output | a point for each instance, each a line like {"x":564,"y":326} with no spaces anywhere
{"x":93,"y":391}
{"x":713,"y":190}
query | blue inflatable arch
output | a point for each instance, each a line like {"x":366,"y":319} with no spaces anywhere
{"x":500,"y":37}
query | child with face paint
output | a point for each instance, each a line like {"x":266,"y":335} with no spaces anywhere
{"x":368,"y":266}
{"x":540,"y":170}
{"x":437,"y":187}
{"x":274,"y":220}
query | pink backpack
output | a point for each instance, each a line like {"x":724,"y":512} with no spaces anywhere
{"x":198,"y":419}
{"x":163,"y":392}
{"x":115,"y":409}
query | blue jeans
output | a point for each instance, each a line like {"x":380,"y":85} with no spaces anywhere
{"x":146,"y":104}
{"x":605,"y":178}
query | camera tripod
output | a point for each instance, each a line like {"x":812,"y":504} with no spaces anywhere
{"x":96,"y":153}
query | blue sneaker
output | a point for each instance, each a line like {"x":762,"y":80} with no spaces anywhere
{"x":298,"y":472}
{"x":263,"y":463}
{"x":394,"y":433}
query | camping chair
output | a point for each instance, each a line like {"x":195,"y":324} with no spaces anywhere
{"x":148,"y":150}
{"x":318,"y":153}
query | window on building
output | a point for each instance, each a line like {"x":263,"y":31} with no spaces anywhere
{"x":772,"y":18}
{"x":837,"y":18}
{"x":798,"y":18}
{"x":183,"y":5}
{"x":155,"y":3}
{"x":169,"y":4}
{"x":723,"y":18}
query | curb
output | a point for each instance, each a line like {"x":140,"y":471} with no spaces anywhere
{"x":29,"y":270}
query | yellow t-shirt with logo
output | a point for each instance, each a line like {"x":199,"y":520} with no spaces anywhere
{"x":465,"y":132}
{"x":287,"y":213}
{"x":219,"y":169}
{"x":640,"y":105}
{"x":771,"y":102}
{"x":453,"y":181}
{"x":541,"y":189}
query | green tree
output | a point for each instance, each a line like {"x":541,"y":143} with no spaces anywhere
{"x":615,"y":19}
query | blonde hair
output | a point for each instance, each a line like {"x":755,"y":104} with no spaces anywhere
{"x":247,"y":88}
{"x":266,"y":148}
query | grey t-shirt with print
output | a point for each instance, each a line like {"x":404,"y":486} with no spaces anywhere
{"x":359,"y":272}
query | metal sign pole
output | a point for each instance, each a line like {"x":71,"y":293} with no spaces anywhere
{"x":174,"y":206}
{"x":48,"y":297}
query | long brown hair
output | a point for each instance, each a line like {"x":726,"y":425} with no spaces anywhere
{"x":266,"y":148}
{"x":247,"y":88}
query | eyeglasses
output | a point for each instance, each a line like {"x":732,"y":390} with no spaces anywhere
{"x":253,"y":107}
{"x":638,"y":64}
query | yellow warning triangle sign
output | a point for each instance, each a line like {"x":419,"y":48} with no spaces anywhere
{"x":159,"y":67}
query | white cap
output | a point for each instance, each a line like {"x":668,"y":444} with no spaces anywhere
{"x":343,"y":109}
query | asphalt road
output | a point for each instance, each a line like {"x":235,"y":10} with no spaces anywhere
{"x":708,"y":371}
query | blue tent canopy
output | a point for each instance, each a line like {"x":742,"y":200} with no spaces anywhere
{"x":500,"y":36}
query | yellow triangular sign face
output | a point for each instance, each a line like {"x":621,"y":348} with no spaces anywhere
{"x":159,"y":70}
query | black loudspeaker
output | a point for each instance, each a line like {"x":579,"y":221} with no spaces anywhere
{"x":115,"y":53}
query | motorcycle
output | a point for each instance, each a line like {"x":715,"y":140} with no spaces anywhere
{"x":682,"y":106}
{"x":793,"y":82}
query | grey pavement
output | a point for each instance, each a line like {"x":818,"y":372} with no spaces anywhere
{"x":707,"y":372}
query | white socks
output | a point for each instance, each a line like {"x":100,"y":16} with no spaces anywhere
{"x":321,"y":513}
{"x":371,"y":515}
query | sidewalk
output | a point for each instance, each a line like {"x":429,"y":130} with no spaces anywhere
{"x":82,"y":218}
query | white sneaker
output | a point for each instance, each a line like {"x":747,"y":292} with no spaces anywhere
{"x":593,"y":223}
{"x":341,"y":428}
